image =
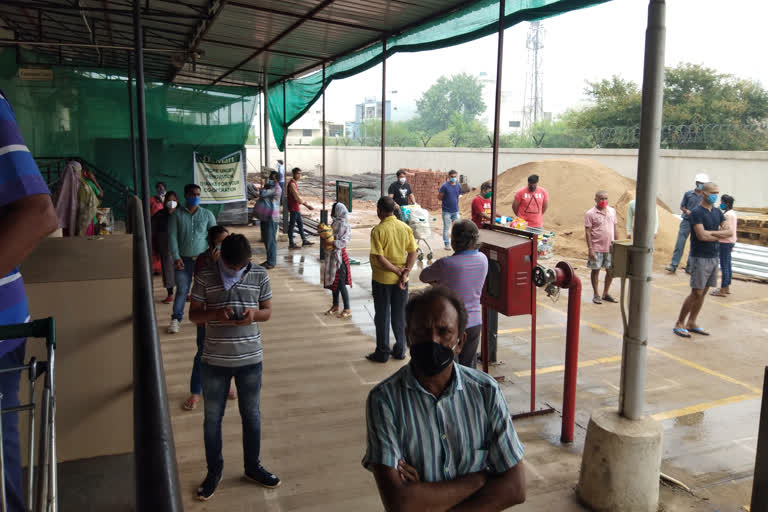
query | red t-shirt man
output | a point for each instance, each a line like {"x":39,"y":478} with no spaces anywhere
{"x":481,"y":206}
{"x":531,"y":202}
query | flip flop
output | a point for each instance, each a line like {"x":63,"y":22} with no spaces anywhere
{"x":717,"y":293}
{"x":699,"y":330}
{"x":597,"y":300}
{"x":683,"y":333}
{"x":608,"y":298}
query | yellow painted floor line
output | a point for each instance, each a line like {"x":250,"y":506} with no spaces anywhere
{"x":667,"y":355}
{"x":560,"y":367}
{"x":706,"y":370}
{"x":675,"y":413}
{"x":527,"y":329}
{"x":751,"y":301}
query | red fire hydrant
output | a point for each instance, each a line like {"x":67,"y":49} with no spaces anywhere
{"x":563,"y":276}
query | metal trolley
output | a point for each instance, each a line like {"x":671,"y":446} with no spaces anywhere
{"x":42,"y":492}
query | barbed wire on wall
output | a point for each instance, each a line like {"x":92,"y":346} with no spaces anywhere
{"x":684,"y":136}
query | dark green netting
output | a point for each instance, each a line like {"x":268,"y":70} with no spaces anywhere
{"x":473,"y":22}
{"x":84,"y":113}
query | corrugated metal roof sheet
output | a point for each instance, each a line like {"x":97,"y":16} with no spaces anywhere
{"x":204,"y":41}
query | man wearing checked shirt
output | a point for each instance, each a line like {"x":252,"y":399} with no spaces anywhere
{"x":440,"y":436}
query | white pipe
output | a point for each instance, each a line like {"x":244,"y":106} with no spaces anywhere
{"x":641,"y":255}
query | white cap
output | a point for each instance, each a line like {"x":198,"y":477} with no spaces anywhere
{"x":702,"y":178}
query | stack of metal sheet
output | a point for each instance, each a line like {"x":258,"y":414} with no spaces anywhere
{"x":750,"y":260}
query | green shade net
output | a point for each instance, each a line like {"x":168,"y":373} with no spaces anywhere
{"x":84,"y":113}
{"x":473,"y":22}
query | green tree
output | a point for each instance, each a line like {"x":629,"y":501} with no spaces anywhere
{"x":703,"y":109}
{"x":460,"y":94}
{"x":467,"y":133}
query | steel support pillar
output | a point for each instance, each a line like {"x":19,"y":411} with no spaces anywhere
{"x":142,"y":120}
{"x":641,"y":254}
{"x":497,"y":112}
{"x":383,"y":109}
{"x":265,"y":115}
{"x":323,"y":211}
{"x":285,"y":164}
{"x":133,"y":130}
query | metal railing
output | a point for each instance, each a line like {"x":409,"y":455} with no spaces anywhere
{"x":157,"y":477}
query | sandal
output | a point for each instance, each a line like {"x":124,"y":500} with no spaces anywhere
{"x":190,"y":404}
{"x":718,"y":293}
{"x":597,"y":300}
{"x":683,"y":333}
{"x":332,"y":311}
{"x":231,"y":395}
{"x":344,"y":315}
{"x":608,"y":298}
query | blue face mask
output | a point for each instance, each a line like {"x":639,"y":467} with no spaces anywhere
{"x":723,"y":207}
{"x":712,"y":198}
{"x":453,"y":180}
{"x":270,"y":183}
{"x":193,"y":201}
{"x":699,"y":186}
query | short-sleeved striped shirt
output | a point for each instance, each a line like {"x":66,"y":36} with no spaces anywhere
{"x":225,"y":344}
{"x":468,"y":429}
{"x":464,"y":273}
{"x":19,"y":178}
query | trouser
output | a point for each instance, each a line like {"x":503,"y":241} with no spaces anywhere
{"x":468,"y":355}
{"x":342,"y":288}
{"x":183,"y":283}
{"x":216,"y":382}
{"x":195,"y":381}
{"x":9,"y":387}
{"x":389,"y":308}
{"x":682,"y":236}
{"x":448,"y":220}
{"x":296,"y":220}
{"x":269,"y":237}
{"x":726,"y":268}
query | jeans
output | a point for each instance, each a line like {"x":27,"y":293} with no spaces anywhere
{"x":183,"y":283}
{"x":448,"y":220}
{"x":682,"y":236}
{"x":216,"y":382}
{"x":726,"y":272}
{"x":342,"y":289}
{"x":9,"y":387}
{"x":195,"y":381}
{"x":296,"y":220}
{"x":389,"y":307}
{"x":269,"y":237}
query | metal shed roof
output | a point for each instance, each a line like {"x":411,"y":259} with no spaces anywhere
{"x":212,"y":41}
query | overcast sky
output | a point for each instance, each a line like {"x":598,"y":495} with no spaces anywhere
{"x":589,"y":44}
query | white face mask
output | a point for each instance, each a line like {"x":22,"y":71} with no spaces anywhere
{"x":172,"y":204}
{"x":402,"y":180}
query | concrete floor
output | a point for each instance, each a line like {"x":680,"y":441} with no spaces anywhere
{"x":705,"y":391}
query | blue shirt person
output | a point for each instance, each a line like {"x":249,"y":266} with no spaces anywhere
{"x":449,"y":197}
{"x":27,"y":217}
{"x":691,"y":199}
{"x":439,"y":435}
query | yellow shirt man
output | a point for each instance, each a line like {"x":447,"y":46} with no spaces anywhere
{"x":392,"y":239}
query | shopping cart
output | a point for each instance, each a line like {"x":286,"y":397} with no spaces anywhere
{"x":418,"y":219}
{"x":42,"y":492}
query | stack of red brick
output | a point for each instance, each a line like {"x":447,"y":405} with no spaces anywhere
{"x":425,"y":184}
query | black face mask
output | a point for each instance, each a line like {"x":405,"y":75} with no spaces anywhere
{"x":532,"y":188}
{"x":431,"y":358}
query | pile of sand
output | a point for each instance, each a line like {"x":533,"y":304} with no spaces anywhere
{"x":571,"y":184}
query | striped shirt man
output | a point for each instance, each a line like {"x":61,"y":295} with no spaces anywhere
{"x":19,"y":178}
{"x":464,"y":272}
{"x":467,"y":430}
{"x":226,"y":344}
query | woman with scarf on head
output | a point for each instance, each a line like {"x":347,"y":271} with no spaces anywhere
{"x":76,"y":201}
{"x":337,"y":274}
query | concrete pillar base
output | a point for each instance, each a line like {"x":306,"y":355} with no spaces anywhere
{"x":621,"y":464}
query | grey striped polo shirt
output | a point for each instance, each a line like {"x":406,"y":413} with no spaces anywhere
{"x":226,"y":344}
{"x":468,"y":429}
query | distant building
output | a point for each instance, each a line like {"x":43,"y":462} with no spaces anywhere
{"x":309,"y":127}
{"x":369,"y":109}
